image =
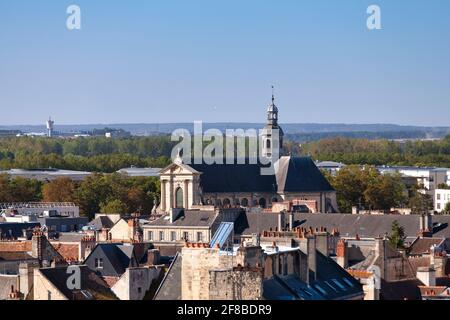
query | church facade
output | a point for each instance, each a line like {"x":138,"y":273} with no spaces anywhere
{"x":296,"y":179}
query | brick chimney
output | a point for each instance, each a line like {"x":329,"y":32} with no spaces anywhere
{"x":86,"y":245}
{"x":38,"y":245}
{"x":342,"y":253}
{"x":153,"y":257}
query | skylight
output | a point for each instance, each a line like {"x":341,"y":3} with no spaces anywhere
{"x":347,"y":282}
{"x":340,"y":285}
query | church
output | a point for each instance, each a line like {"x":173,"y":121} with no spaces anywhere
{"x":295,"y":180}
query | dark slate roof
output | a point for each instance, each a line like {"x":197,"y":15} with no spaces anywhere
{"x":170,"y":287}
{"x":101,"y":222}
{"x":300,"y":174}
{"x":119,"y":255}
{"x":401,"y":290}
{"x":422,"y":245}
{"x":234,"y":178}
{"x":90,"y":282}
{"x":349,"y":225}
{"x":188,"y":218}
{"x":329,"y":284}
{"x":16,"y":228}
{"x":293,"y":174}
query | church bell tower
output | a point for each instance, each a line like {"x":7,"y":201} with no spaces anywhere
{"x":272,"y":134}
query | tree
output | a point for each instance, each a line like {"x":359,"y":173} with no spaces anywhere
{"x":350,"y":184}
{"x":420,"y":203}
{"x":59,"y":190}
{"x":447,"y":208}
{"x":385,"y":192}
{"x":113,"y":207}
{"x":397,"y":236}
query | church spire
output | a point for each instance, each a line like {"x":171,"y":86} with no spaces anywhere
{"x":272,"y":112}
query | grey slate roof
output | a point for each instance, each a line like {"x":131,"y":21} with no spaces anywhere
{"x":293,"y":174}
{"x":119,"y":256}
{"x":300,"y":175}
{"x":189,"y":218}
{"x":90,"y":282}
{"x":15,"y":229}
{"x":101,"y":222}
{"x":422,"y":245}
{"x":349,"y":225}
{"x":170,"y":288}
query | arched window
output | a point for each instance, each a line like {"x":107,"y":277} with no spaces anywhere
{"x":179,"y":198}
{"x":226,"y":202}
{"x":244,"y":202}
{"x":262,"y":203}
{"x":268,"y":144}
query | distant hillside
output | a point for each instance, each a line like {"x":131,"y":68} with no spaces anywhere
{"x":299,"y":131}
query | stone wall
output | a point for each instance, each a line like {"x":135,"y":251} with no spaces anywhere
{"x":235,"y":284}
{"x":44,"y":289}
{"x":135,"y":282}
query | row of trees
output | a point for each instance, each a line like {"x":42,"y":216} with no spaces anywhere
{"x":365,"y":187}
{"x":106,"y":193}
{"x":381,"y":152}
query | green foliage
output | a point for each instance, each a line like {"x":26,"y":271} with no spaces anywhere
{"x":98,"y":191}
{"x":380,"y":152}
{"x":113,"y":206}
{"x":446,"y":209}
{"x":19,"y":189}
{"x":89,"y":154}
{"x":397,"y":236}
{"x":365,"y":187}
{"x":420,"y":203}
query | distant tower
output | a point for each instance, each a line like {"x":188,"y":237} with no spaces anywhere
{"x":50,"y":124}
{"x":272,"y":134}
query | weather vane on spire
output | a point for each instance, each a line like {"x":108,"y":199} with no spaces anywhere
{"x":273,"y":94}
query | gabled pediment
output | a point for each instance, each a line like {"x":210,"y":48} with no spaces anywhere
{"x":179,"y":169}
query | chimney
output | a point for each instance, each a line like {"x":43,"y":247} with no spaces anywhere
{"x":37,"y":245}
{"x":312,"y":258}
{"x":380,"y":251}
{"x":291,"y":221}
{"x":256,"y":239}
{"x":427,"y":276}
{"x":429,"y":222}
{"x":322,"y":240}
{"x":26,"y":271}
{"x":281,"y":222}
{"x":153,"y":257}
{"x":103,"y":235}
{"x":342,"y":253}
{"x":438,"y":261}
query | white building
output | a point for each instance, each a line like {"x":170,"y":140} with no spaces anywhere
{"x":430,"y":178}
{"x":441,"y":198}
{"x":46,"y":174}
{"x":45,"y":209}
{"x":330,"y":166}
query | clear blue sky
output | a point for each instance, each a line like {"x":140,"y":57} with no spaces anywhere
{"x":215,"y":60}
